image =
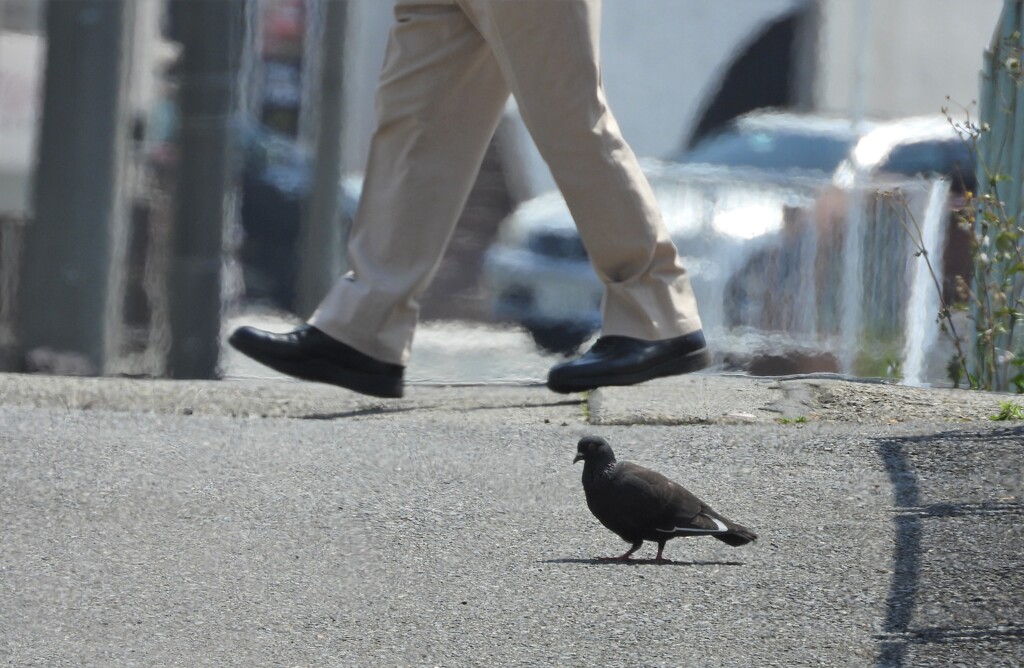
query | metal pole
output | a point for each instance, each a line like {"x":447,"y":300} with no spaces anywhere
{"x":211,"y":36}
{"x":852,"y":321}
{"x":320,"y":238}
{"x":68,"y":247}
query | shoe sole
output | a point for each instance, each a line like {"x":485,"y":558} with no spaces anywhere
{"x":695,"y":361}
{"x":325,"y":371}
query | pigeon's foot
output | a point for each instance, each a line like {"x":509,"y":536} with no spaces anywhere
{"x":658,"y":559}
{"x":624,"y":557}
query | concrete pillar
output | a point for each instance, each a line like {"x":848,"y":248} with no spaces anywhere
{"x":211,"y":34}
{"x":68,"y":249}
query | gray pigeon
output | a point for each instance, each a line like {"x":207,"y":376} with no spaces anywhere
{"x":639,"y":504}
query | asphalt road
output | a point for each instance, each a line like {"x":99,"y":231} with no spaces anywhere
{"x":450,"y":529}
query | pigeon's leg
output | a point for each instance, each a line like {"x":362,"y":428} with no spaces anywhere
{"x":630,"y":551}
{"x":659,"y":559}
{"x":626,"y":556}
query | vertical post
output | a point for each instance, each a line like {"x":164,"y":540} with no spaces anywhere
{"x":68,"y":256}
{"x":211,"y":35}
{"x":852,"y":321}
{"x":320,"y":238}
{"x":1002,"y":110}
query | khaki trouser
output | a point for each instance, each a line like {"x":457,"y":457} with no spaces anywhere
{"x":449,"y":69}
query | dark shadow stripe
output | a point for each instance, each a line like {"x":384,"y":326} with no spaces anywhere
{"x":906,"y":556}
{"x":908,"y":523}
{"x":972,"y":509}
{"x":943,"y":635}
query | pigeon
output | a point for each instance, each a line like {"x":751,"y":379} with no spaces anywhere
{"x":640,"y":504}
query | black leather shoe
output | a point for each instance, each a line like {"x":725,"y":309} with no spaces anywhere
{"x":310,"y":354}
{"x":623,"y":360}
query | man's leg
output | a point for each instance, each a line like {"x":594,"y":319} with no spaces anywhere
{"x":440,"y":98}
{"x":548,"y":52}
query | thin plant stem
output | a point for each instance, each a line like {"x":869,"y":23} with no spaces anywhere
{"x":945,"y":312}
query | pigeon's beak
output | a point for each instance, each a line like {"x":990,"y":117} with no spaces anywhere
{"x":579,"y":457}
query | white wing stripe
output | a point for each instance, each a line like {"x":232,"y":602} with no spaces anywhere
{"x":721,"y":528}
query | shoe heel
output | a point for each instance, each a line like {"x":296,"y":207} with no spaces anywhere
{"x":697,"y":360}
{"x":689,"y":363}
{"x":386,"y":388}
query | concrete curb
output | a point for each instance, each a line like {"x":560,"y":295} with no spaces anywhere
{"x":733,"y":399}
{"x":696,"y":399}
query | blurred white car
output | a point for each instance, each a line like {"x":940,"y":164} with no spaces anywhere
{"x":916,"y":146}
{"x":720,"y":201}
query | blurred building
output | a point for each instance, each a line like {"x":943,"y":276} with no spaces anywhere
{"x":22,"y":67}
{"x":21,"y":15}
{"x":675,"y":69}
{"x":912,"y":55}
{"x":21,"y":60}
{"x":282,"y":54}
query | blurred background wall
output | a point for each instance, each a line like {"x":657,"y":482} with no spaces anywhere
{"x":916,"y":53}
{"x":675,"y":69}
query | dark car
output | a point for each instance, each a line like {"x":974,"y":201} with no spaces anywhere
{"x":276,"y":180}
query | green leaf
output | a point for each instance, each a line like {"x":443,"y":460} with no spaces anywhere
{"x":1006,"y":242}
{"x":1009,"y":410}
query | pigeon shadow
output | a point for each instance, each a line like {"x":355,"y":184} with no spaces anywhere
{"x":640,"y":562}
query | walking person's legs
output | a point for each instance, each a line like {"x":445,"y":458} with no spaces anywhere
{"x":440,"y":98}
{"x":548,"y":54}
{"x":448,"y":72}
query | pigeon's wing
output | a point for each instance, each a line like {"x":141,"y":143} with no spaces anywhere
{"x":655,"y":503}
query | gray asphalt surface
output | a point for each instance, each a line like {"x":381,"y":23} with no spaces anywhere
{"x":158,"y":523}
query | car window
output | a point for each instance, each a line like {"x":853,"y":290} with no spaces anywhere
{"x":771,"y":150}
{"x":952,"y":159}
{"x":921,"y":158}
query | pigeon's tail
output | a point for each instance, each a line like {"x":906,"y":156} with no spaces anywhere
{"x":737,"y":535}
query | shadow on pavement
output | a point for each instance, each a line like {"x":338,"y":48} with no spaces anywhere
{"x":361,"y":412}
{"x":536,"y":404}
{"x":898,"y":635}
{"x":389,"y":410}
{"x":640,"y":562}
